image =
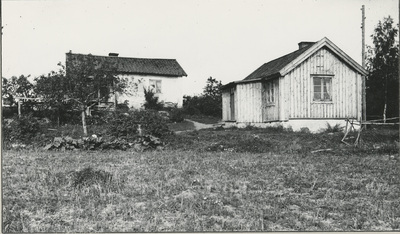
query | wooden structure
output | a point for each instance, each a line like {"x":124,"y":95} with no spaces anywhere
{"x":20,"y":101}
{"x":350,"y":126}
{"x":316,"y":82}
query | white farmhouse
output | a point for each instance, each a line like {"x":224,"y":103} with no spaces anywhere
{"x":162,"y":76}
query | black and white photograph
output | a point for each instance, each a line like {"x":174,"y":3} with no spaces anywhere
{"x":200,"y":116}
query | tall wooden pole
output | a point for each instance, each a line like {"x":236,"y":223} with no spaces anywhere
{"x":364,"y":95}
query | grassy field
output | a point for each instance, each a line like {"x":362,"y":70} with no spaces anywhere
{"x":226,"y":180}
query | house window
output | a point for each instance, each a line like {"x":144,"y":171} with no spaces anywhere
{"x":270,"y":92}
{"x":155,"y":85}
{"x":322,"y":89}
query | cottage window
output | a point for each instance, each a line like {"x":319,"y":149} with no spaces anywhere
{"x":322,"y":88}
{"x":270,"y":92}
{"x":155,"y":85}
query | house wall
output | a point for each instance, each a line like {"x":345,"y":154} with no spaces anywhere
{"x":297,"y":125}
{"x":346,"y":89}
{"x":171,"y":90}
{"x":249,"y":103}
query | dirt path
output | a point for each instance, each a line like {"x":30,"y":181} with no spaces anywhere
{"x":199,"y":126}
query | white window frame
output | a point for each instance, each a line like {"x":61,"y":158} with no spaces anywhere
{"x":153,"y":85}
{"x":325,"y":89}
{"x":270,"y":89}
{"x":270,"y":92}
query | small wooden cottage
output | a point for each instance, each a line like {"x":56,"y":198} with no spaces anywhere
{"x":310,"y":87}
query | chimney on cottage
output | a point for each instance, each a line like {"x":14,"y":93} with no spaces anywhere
{"x":113,"y":54}
{"x":305,"y":44}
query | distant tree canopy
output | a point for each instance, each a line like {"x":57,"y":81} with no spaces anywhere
{"x":16,"y":87}
{"x":212,"y":88}
{"x":382,"y":63}
{"x":209,"y":103}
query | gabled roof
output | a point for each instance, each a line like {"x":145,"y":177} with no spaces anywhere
{"x":144,"y":66}
{"x":283,"y":65}
{"x":273,"y":67}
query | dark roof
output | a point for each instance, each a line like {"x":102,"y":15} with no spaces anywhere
{"x":164,"y":67}
{"x":273,"y":67}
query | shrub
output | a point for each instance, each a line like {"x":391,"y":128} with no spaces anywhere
{"x":98,"y":143}
{"x":151,"y":101}
{"x":305,"y":130}
{"x":88,"y":177}
{"x":97,"y":118}
{"x":152,"y":123}
{"x":206,"y":105}
{"x":21,"y":129}
{"x":176,"y":115}
{"x":336,"y":128}
{"x":9,"y":112}
{"x":126,"y":125}
{"x":122,"y":126}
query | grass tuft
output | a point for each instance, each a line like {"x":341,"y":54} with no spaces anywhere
{"x":88,"y":177}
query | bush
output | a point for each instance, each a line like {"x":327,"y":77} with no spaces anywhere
{"x":152,"y":102}
{"x":126,"y":125}
{"x":9,"y":112}
{"x":176,"y":115}
{"x":206,"y":105}
{"x":336,"y":128}
{"x":21,"y":129}
{"x":305,"y":130}
{"x":98,"y":143}
{"x":152,"y":123}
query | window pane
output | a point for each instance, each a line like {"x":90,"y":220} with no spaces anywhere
{"x":317,"y":81}
{"x":272,"y":93}
{"x":317,"y":96}
{"x":328,"y":88}
{"x":317,"y":89}
{"x":158,"y":86}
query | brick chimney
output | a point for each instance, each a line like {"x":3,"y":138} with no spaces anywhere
{"x":113,"y":54}
{"x":305,"y":44}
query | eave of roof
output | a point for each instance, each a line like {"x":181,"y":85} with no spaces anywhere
{"x":143,"y":66}
{"x":272,"y":68}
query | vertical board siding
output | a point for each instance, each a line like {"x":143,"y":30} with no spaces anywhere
{"x":346,"y":88}
{"x":249,"y":103}
{"x":226,"y":109}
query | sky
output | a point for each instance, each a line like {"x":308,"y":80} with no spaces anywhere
{"x":225,"y":39}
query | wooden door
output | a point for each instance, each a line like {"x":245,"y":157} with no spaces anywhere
{"x":270,"y":100}
{"x":232,"y":103}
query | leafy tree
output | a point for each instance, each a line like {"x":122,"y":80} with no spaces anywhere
{"x":52,"y":88}
{"x":16,"y":87}
{"x":90,"y":80}
{"x":382,"y":63}
{"x":209,"y":103}
{"x":82,"y":84}
{"x":212,"y":88}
